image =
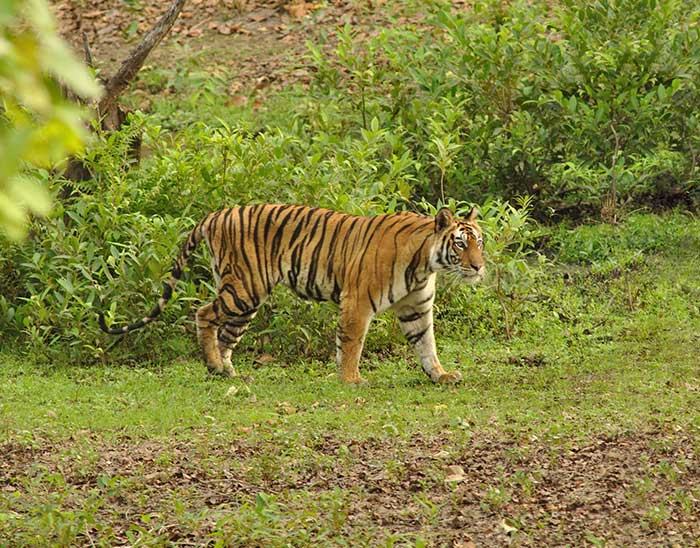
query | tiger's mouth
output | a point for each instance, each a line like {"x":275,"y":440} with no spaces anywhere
{"x":472,"y":277}
{"x":468,"y":275}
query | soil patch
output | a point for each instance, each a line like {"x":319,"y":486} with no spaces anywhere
{"x":636,"y":489}
{"x":261,"y":43}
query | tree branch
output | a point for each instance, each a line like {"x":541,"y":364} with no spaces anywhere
{"x":121,"y":80}
{"x":89,"y":59}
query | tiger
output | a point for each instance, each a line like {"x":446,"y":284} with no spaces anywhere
{"x":365,"y":265}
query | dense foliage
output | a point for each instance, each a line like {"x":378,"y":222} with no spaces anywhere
{"x":570,"y":102}
{"x":585,"y":107}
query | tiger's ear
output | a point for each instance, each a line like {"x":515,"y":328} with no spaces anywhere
{"x":473,"y":214}
{"x":443,"y":219}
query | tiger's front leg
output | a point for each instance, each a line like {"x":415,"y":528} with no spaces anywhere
{"x":352,"y":329}
{"x":415,"y":313}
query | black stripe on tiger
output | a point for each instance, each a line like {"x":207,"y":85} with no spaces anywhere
{"x":413,"y":317}
{"x":413,"y":338}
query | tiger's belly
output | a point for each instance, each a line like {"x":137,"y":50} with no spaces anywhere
{"x":309,"y":283}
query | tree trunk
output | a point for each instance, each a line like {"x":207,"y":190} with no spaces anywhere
{"x":108,"y":111}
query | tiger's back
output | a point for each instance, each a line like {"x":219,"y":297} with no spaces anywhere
{"x":315,"y":252}
{"x":364,"y":264}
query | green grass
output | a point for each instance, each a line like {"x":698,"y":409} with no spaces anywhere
{"x":581,"y":430}
{"x":643,"y":376}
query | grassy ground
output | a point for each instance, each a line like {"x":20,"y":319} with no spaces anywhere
{"x":581,"y":431}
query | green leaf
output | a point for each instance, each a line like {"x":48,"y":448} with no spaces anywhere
{"x":11,"y":216}
{"x":66,"y":284}
{"x":662,"y":92}
{"x":37,"y":124}
{"x":31,"y":194}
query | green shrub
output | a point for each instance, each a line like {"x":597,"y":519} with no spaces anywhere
{"x":670,"y":234}
{"x":577,"y":104}
{"x":513,"y":267}
{"x":38,"y":126}
{"x":110,"y":246}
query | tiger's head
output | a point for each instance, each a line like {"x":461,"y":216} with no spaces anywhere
{"x":459,"y":246}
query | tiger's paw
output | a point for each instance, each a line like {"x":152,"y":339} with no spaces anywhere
{"x":222,"y":370}
{"x":229,"y":371}
{"x":227,"y":368}
{"x":354,"y":381}
{"x":452,"y":377}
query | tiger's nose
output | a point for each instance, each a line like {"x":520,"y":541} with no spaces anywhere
{"x":477,"y":267}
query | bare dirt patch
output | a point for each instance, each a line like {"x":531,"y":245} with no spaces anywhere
{"x":637,"y":489}
{"x":262,"y":43}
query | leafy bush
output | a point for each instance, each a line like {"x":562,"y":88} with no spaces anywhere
{"x":511,"y":237}
{"x":112,"y":245}
{"x":670,"y":234}
{"x":513,"y":267}
{"x":580,"y":105}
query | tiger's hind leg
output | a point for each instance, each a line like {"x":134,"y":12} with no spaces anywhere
{"x":228,"y":336}
{"x":352,"y":328}
{"x":208,"y":321}
{"x":220,"y":325}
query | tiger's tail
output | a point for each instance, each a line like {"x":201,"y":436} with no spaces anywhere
{"x":188,"y":247}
